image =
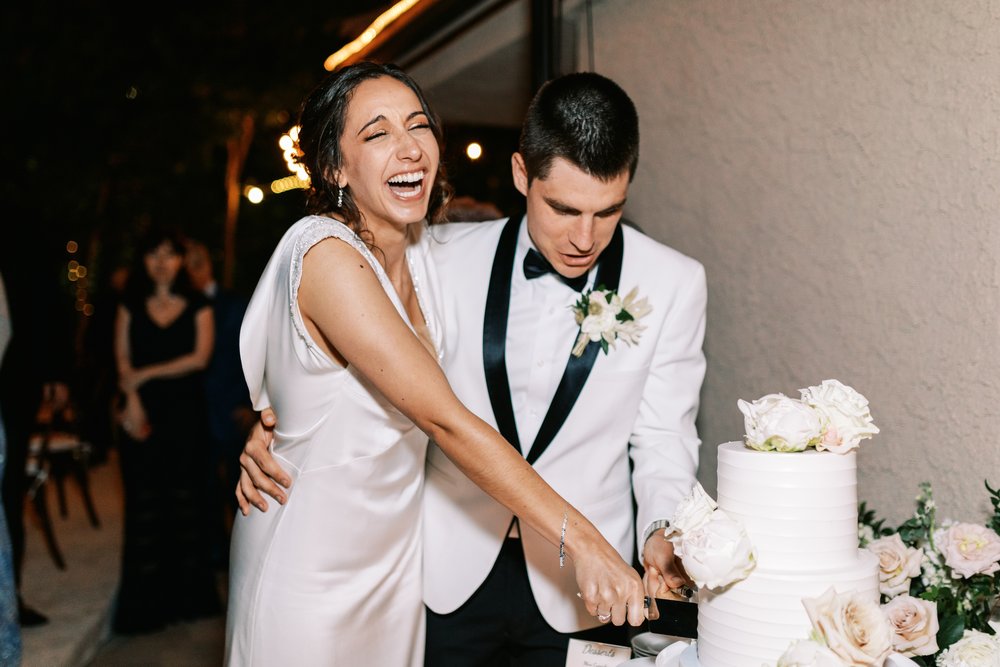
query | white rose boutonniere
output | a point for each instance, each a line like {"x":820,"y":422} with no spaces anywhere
{"x":605,"y":318}
{"x":846,"y":417}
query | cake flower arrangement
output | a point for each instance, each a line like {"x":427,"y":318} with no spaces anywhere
{"x":939,"y":583}
{"x":828,"y":417}
{"x":714,"y":547}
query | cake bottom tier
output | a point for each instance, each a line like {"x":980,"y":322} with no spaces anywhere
{"x":754,"y":621}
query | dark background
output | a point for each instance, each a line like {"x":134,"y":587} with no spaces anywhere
{"x":118,"y":116}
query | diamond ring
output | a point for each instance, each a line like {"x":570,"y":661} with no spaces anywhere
{"x":604,"y":618}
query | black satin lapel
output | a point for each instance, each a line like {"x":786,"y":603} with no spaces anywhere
{"x":495,"y":331}
{"x":609,"y":272}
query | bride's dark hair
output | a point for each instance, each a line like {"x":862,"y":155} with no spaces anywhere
{"x":321,"y":124}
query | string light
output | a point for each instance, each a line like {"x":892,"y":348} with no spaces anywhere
{"x":384,"y":19}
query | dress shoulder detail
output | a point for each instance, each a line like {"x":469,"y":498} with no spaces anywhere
{"x":314,"y":229}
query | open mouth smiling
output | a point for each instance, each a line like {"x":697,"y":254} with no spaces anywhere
{"x":408,"y":185}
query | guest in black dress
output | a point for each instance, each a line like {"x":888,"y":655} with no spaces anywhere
{"x":163,"y":341}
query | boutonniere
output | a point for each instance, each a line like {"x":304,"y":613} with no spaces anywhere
{"x":606,"y":317}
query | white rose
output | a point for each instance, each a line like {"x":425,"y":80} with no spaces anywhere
{"x":778,"y":423}
{"x":974,"y":649}
{"x":852,"y":625}
{"x":897,"y":562}
{"x":914,"y":623}
{"x":969,"y":549}
{"x":693,"y":512}
{"x":807,"y":653}
{"x":716,"y":554}
{"x":847,"y":419}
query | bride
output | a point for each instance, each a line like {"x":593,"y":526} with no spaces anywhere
{"x":341,"y":340}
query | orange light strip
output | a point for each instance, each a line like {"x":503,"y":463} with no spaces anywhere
{"x":384,"y":19}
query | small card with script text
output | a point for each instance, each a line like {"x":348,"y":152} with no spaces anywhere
{"x":595,"y":654}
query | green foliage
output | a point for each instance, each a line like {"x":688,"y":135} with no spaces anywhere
{"x":962,"y":602}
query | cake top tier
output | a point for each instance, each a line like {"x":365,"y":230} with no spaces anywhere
{"x":740,"y":456}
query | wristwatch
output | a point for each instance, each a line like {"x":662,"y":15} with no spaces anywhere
{"x":655,"y":526}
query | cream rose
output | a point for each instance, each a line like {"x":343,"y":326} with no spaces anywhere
{"x":853,"y":626}
{"x":974,"y":649}
{"x":716,"y":554}
{"x":969,"y":549}
{"x":845,"y":413}
{"x":898,"y":564}
{"x":601,"y":317}
{"x":778,"y":423}
{"x":807,"y":653}
{"x":914,"y":623}
{"x":693,"y":512}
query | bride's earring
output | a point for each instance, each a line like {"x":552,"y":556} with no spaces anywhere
{"x":340,"y":197}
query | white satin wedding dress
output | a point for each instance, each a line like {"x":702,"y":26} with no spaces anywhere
{"x":333,"y":576}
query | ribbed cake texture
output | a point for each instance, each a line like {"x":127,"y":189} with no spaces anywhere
{"x":800,"y":510}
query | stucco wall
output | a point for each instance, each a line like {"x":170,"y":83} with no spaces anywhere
{"x":835,"y":167}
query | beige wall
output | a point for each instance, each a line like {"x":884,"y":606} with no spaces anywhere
{"x":836,"y":167}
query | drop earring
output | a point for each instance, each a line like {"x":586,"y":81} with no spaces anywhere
{"x":340,"y":197}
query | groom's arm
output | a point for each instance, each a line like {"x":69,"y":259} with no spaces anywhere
{"x":664,"y":443}
{"x":259,"y":471}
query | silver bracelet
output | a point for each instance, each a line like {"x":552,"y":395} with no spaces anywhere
{"x":655,"y":526}
{"x":562,"y":540}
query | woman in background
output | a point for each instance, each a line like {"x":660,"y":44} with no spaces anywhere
{"x":163,"y":341}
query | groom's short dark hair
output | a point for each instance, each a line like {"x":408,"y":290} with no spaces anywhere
{"x":586,"y":119}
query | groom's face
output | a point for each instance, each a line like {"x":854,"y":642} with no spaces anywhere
{"x":571,"y":214}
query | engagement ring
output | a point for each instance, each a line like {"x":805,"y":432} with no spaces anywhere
{"x":604,"y":618}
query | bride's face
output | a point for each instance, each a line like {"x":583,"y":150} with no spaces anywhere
{"x":390,"y":154}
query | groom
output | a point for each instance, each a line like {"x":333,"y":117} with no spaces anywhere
{"x":615,"y":422}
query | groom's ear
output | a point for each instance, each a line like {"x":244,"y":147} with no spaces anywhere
{"x":520,"y":173}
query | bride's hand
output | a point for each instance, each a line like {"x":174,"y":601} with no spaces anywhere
{"x":611,"y":590}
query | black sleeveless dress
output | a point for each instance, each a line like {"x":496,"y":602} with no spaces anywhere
{"x":167,"y":573}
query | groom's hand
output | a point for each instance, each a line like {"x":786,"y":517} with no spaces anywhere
{"x":259,"y":471}
{"x":664,"y":573}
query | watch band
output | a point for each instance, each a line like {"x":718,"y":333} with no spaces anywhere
{"x":655,"y":526}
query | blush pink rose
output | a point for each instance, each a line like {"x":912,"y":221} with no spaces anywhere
{"x":969,"y":549}
{"x":897,"y":562}
{"x":914,"y":623}
{"x":852,"y":625}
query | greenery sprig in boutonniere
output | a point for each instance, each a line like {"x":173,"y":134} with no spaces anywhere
{"x":605,"y":317}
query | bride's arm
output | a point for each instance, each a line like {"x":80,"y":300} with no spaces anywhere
{"x":341,"y":299}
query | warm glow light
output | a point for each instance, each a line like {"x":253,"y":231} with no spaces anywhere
{"x":370,"y":33}
{"x":289,"y":144}
{"x":289,"y":183}
{"x":474,"y":151}
{"x":254,"y":194}
{"x":71,"y":247}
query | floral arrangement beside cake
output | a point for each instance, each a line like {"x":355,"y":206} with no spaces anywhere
{"x":939,"y":583}
{"x":782,"y":580}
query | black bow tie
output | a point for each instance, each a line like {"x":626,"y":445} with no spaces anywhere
{"x":536,"y":265}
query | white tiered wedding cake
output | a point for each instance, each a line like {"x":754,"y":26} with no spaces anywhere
{"x":784,"y":529}
{"x":800,"y":510}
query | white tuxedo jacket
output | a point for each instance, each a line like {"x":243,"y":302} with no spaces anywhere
{"x":638,"y":401}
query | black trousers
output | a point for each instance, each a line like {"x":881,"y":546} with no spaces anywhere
{"x":500,"y":625}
